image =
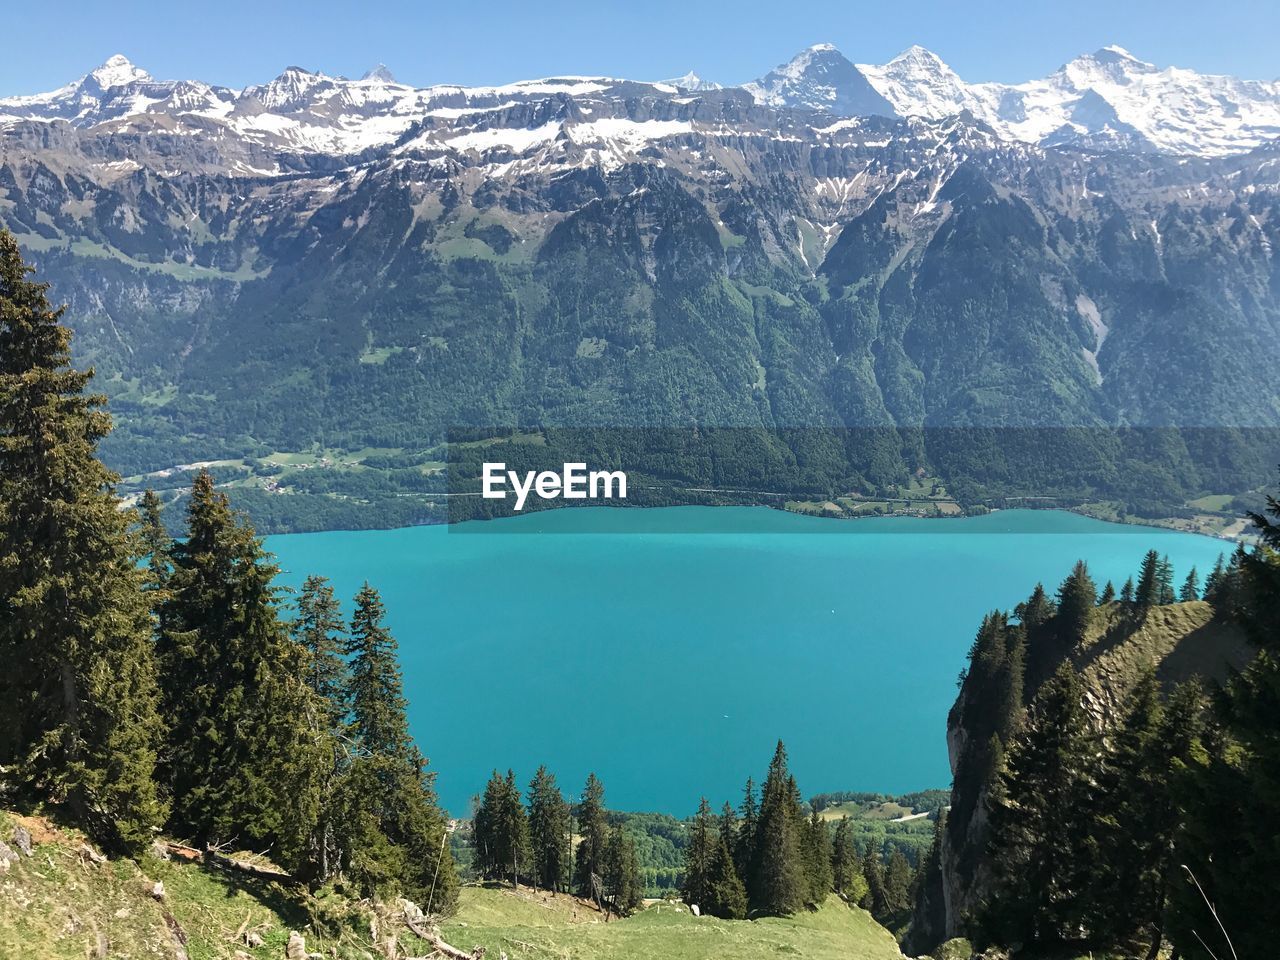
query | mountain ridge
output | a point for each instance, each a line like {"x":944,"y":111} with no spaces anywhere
{"x":1108,"y":99}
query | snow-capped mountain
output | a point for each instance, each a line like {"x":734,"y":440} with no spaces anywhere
{"x":693,"y":83}
{"x":821,"y":78}
{"x":1108,"y":100}
{"x":917,"y":83}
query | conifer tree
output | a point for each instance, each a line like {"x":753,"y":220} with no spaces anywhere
{"x":1040,"y":820}
{"x":1077,"y":598}
{"x":244,"y":760}
{"x":394,"y":837}
{"x":1213,"y":582}
{"x":845,"y":871}
{"x":727,"y":897}
{"x":548,"y":824}
{"x":817,"y":853}
{"x":1164,"y":577}
{"x":1127,"y":591}
{"x":78,"y":687}
{"x":155,"y":540}
{"x":501,"y":830}
{"x":876,"y":899}
{"x":699,"y":854}
{"x":320,"y":631}
{"x":621,"y":873}
{"x":929,"y":914}
{"x":745,"y":843}
{"x":1133,"y":867}
{"x":897,"y":883}
{"x":375,"y":688}
{"x":1036,"y":609}
{"x":778,"y":871}
{"x":1231,"y":783}
{"x":1148,"y":591}
{"x":1108,"y":594}
{"x":589,"y":858}
{"x":1190,"y":587}
{"x":486,"y":825}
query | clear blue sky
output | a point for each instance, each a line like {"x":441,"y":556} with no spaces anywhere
{"x":234,"y":42}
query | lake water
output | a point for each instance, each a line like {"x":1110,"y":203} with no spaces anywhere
{"x":670,"y":662}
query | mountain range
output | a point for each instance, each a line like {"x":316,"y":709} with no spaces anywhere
{"x":361,"y":263}
{"x":1107,"y":99}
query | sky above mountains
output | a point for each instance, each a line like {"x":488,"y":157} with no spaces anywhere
{"x":236,"y":42}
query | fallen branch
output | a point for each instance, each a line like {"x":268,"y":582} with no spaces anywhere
{"x":439,"y":946}
{"x":211,"y":856}
{"x":262,"y":873}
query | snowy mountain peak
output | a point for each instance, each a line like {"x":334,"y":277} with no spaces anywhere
{"x":287,"y":91}
{"x":380,"y":72}
{"x":820,"y":78}
{"x":691,"y":81}
{"x":117,"y":71}
{"x":918,"y":83}
{"x":1120,"y":51}
{"x":1105,"y":100}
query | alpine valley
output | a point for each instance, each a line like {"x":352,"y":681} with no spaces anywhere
{"x":339,"y":271}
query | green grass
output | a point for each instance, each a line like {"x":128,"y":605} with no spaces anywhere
{"x":1214,"y":502}
{"x":379,"y":355}
{"x":526,"y":926}
{"x":179,"y":271}
{"x":62,"y":904}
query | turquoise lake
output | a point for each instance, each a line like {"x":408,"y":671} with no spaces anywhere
{"x":670,"y":662}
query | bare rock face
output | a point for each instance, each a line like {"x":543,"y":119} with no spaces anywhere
{"x":296,"y":948}
{"x":22,"y":840}
{"x":7,"y":856}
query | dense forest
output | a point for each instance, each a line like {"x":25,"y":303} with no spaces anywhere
{"x":1118,"y":807}
{"x":176,"y":693}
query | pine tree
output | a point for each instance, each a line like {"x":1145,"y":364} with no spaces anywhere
{"x":1213,"y":582}
{"x":244,"y":759}
{"x":1037,"y":609}
{"x":78,"y":688}
{"x":1190,"y":587}
{"x":1164,"y":577}
{"x":1133,"y":867}
{"x":897,"y":883}
{"x":727,"y":897}
{"x":376,"y":689}
{"x":320,"y":631}
{"x":548,"y":824}
{"x":621,"y":873}
{"x":1077,"y":598}
{"x":589,"y":858}
{"x":393,"y":831}
{"x":777,"y":865}
{"x":929,"y":913}
{"x":745,"y":844}
{"x":1108,"y":594}
{"x":845,"y":872}
{"x":489,"y":860}
{"x":1231,"y":783}
{"x":1040,"y":820}
{"x":817,"y":855}
{"x":876,"y":899}
{"x":1148,"y":592}
{"x":1127,"y":591}
{"x":699,"y":855}
{"x":155,"y":540}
